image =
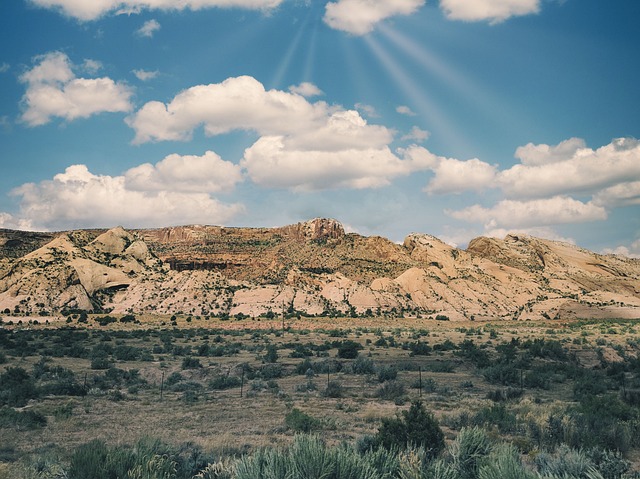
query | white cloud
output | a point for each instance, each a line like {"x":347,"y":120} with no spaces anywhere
{"x":455,"y":176}
{"x":538,"y":155}
{"x":631,"y":251}
{"x":494,"y":11}
{"x":368,"y":110}
{"x":451,"y":175}
{"x":148,"y":28}
{"x":306,"y":89}
{"x":86,"y":10}
{"x":54,"y":91}
{"x":569,"y":167}
{"x":511,"y":214}
{"x":77,"y":198}
{"x":10,"y":222}
{"x":405,"y":110}
{"x":271,"y":162}
{"x":303,"y":145}
{"x":91,"y":66}
{"x":623,"y":194}
{"x":240,"y":103}
{"x":144,"y":75}
{"x":360,"y":17}
{"x":4,"y":67}
{"x":416,"y":134}
{"x":196,"y":174}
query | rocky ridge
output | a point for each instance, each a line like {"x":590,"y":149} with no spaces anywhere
{"x":309,"y":268}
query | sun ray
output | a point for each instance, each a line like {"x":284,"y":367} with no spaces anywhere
{"x":283,"y":67}
{"x":483,"y":100}
{"x":438,"y":122}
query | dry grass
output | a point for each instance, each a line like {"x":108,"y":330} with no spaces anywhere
{"x":222,"y":421}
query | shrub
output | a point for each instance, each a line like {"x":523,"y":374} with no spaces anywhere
{"x":16,"y":387}
{"x":468,"y":450}
{"x":420,"y":348}
{"x":415,"y":427}
{"x":100,"y":363}
{"x":334,"y":390}
{"x":224,"y":382}
{"x":349,"y":349}
{"x":505,"y":463}
{"x":387,"y":373}
{"x":299,"y":421}
{"x":391,"y":391}
{"x":363,"y":365}
{"x":21,"y":420}
{"x":272,"y":354}
{"x":191,"y":363}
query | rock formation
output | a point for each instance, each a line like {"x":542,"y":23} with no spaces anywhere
{"x":310,"y":268}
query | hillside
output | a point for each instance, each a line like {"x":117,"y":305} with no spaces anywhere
{"x":309,"y":268}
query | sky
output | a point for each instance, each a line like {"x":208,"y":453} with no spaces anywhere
{"x":456,"y":118}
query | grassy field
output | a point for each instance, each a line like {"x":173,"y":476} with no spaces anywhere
{"x":226,"y":388}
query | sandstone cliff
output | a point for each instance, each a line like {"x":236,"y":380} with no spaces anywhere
{"x":310,"y":268}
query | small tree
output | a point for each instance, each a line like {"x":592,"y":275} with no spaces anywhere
{"x":416,"y":427}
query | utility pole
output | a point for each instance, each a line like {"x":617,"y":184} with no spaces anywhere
{"x":242,"y":381}
{"x":162,"y":385}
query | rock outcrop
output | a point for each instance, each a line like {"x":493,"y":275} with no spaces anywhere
{"x":311,"y":268}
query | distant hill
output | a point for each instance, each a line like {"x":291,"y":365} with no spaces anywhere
{"x":310,"y":268}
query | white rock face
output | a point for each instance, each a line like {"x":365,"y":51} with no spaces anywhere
{"x":314,"y":268}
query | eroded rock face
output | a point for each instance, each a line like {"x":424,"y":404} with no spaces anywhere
{"x":318,"y":229}
{"x":313,"y":267}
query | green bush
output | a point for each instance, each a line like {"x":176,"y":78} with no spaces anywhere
{"x":224,"y":382}
{"x":391,"y":391}
{"x":299,"y":421}
{"x":334,"y":390}
{"x":387,"y":373}
{"x":348,"y":349}
{"x":415,"y":427}
{"x":16,"y":387}
{"x":21,"y":420}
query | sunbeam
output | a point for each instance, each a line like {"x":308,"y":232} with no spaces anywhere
{"x":283,"y":67}
{"x":438,"y":122}
{"x":483,"y":100}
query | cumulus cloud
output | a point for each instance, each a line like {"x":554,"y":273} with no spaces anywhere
{"x":631,"y":251}
{"x":86,"y":10}
{"x":10,"y":222}
{"x":78,"y":197}
{"x":623,"y":194}
{"x":4,"y":67}
{"x":416,"y":134}
{"x":53,"y":90}
{"x":306,"y":89}
{"x":271,"y":162}
{"x":452,"y":175}
{"x":148,"y":28}
{"x":368,"y":110}
{"x":240,"y":103}
{"x":570,"y":167}
{"x":455,"y":176}
{"x":196,"y":174}
{"x":538,"y":155}
{"x":91,"y":66}
{"x":523,"y":214}
{"x":302,"y":145}
{"x":494,"y":11}
{"x":144,"y":75}
{"x":405,"y":110}
{"x":360,"y":17}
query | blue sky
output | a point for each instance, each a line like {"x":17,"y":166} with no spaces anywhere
{"x":457,"y":118}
